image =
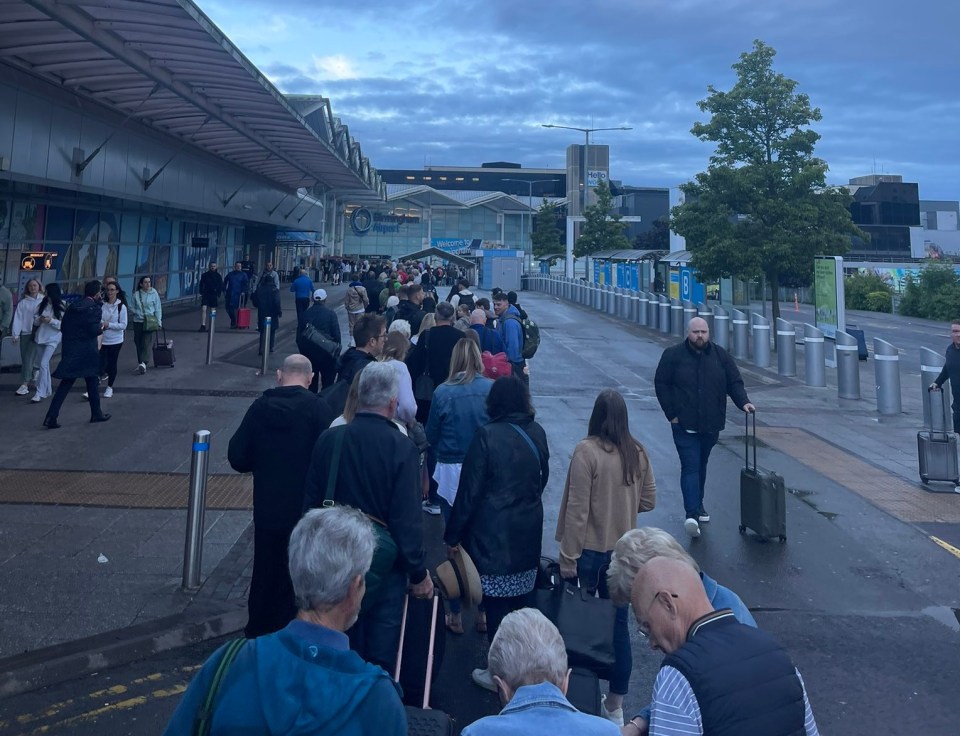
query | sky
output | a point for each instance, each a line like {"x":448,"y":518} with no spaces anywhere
{"x":461,"y":82}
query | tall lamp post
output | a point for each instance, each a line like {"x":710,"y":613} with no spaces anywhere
{"x":529,"y":201}
{"x":586,"y":152}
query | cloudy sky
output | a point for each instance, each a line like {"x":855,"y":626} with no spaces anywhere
{"x":459,"y":82}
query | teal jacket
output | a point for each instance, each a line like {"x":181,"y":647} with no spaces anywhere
{"x":300,"y":680}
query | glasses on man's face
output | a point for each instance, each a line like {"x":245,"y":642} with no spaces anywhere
{"x":382,"y":336}
{"x":643,"y":624}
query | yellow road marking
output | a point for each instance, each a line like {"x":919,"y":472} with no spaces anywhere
{"x":946,"y":545}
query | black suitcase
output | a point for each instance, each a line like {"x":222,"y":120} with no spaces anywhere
{"x":583,"y":691}
{"x":163,"y":355}
{"x":421,"y":720}
{"x":937,"y":448}
{"x":763,"y":496}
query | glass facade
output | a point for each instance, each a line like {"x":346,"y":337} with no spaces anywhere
{"x":396,"y":228}
{"x":93,"y":237}
{"x":886,"y":210}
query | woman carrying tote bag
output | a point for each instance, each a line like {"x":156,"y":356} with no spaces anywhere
{"x":609,"y":482}
{"x":147,"y":316}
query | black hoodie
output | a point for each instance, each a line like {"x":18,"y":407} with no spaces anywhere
{"x":274,"y":442}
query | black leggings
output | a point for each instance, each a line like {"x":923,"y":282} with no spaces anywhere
{"x":498,"y":608}
{"x":109,"y":354}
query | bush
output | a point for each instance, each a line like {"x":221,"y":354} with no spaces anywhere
{"x":879,"y":301}
{"x":935,"y":295}
{"x":867,"y":291}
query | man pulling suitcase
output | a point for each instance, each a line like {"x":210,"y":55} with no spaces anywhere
{"x":693,"y":381}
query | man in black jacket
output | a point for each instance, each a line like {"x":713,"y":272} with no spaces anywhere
{"x":951,"y":372}
{"x":373,"y":287}
{"x":411,"y":297}
{"x":378,"y":472}
{"x":692,"y":382}
{"x":273,"y":442}
{"x":325,"y":321}
{"x":211,"y":287}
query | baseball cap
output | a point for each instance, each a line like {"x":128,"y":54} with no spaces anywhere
{"x":319,"y":295}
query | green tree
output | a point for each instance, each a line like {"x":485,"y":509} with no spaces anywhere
{"x":867,"y":291}
{"x":935,"y":295}
{"x":762,"y":207}
{"x":656,"y":238}
{"x":546,"y":235}
{"x":602,"y":228}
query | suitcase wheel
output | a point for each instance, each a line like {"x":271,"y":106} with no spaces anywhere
{"x":783,"y":539}
{"x":743,"y":529}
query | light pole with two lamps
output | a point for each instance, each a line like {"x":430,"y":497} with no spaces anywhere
{"x":586,"y":152}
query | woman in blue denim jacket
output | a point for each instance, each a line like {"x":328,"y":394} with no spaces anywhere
{"x":458,"y":409}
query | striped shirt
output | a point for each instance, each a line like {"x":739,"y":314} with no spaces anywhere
{"x":675,"y":711}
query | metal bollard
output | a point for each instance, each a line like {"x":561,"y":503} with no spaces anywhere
{"x":704,"y":313}
{"x":598,"y":297}
{"x":931,"y":363}
{"x":761,"y":341}
{"x":848,"y":366}
{"x":689,"y":312}
{"x":664,"y":311}
{"x":624,"y":310}
{"x":813,"y":358}
{"x":210,"y":331}
{"x":264,"y":363}
{"x":634,"y":312}
{"x":786,"y":348}
{"x":720,"y":332}
{"x":886,"y":366}
{"x":739,"y":322}
{"x":613,"y":301}
{"x":643,"y":308}
{"x":653,"y":311}
{"x":676,"y":318}
{"x":196,"y":505}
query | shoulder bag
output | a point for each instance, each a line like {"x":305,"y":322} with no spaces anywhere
{"x":203,"y":723}
{"x":316,"y":338}
{"x":424,"y":387}
{"x":385,"y":553}
{"x":150,"y":321}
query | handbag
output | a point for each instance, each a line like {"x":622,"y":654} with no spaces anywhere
{"x":204,"y":720}
{"x":384,"y":554}
{"x":424,"y":386}
{"x":150,"y":321}
{"x":584,"y":621}
{"x":316,"y":338}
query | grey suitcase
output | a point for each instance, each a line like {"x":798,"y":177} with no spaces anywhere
{"x":937,"y":448}
{"x":763,"y":496}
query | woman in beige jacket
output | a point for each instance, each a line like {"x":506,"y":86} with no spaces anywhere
{"x":610,"y":481}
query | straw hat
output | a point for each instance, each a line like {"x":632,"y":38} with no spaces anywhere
{"x":459,"y":578}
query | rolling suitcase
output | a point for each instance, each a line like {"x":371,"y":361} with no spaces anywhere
{"x":423,"y":720}
{"x":243,"y":318}
{"x":763,"y":496}
{"x":937,"y":448}
{"x":163,"y":355}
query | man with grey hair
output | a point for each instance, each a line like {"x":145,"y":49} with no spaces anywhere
{"x":273,"y":442}
{"x":370,"y":465}
{"x":528,"y":661}
{"x":304,"y":678}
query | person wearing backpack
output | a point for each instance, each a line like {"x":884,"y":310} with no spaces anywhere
{"x":511,"y":332}
{"x":463,"y":295}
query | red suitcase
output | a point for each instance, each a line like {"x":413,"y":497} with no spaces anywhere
{"x":243,"y":318}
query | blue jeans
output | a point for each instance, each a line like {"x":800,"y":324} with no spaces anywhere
{"x":376,"y":634}
{"x":592,"y":572}
{"x":694,"y":451}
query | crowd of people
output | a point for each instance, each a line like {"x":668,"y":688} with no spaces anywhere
{"x":410,"y":422}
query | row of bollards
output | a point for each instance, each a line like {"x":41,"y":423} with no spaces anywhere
{"x":736,"y":330}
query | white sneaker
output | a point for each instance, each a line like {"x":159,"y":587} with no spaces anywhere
{"x":431,"y":508}
{"x":611,"y":715}
{"x":484,"y":679}
{"x":86,"y":395}
{"x":36,"y":399}
{"x":107,"y":392}
{"x":692,"y":527}
{"x":23,"y":390}
{"x":142,"y":368}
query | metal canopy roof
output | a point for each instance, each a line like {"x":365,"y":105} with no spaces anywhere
{"x":165,"y":64}
{"x":628,"y":255}
{"x":442,"y":254}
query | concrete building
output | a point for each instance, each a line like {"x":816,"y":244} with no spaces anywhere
{"x":887,"y":208}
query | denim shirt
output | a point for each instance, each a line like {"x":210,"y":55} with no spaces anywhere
{"x":456,"y":412}
{"x":541,"y":710}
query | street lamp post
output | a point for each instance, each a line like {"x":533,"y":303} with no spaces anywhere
{"x":586,"y":153}
{"x":529,"y":200}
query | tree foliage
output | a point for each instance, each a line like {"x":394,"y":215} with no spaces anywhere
{"x":762,"y":207}
{"x":656,"y":238}
{"x":546,"y":234}
{"x":602,"y":228}
{"x":868,"y":291}
{"x":935,"y":295}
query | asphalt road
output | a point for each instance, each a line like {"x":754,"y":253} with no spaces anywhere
{"x":865,"y":604}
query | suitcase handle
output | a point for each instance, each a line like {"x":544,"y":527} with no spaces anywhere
{"x":746,"y":442}
{"x":428,"y":680}
{"x":938,"y":413}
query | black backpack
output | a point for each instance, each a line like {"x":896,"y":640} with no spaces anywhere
{"x":468,"y":300}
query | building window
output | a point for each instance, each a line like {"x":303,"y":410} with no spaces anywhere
{"x":459,"y":178}
{"x":428,"y":178}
